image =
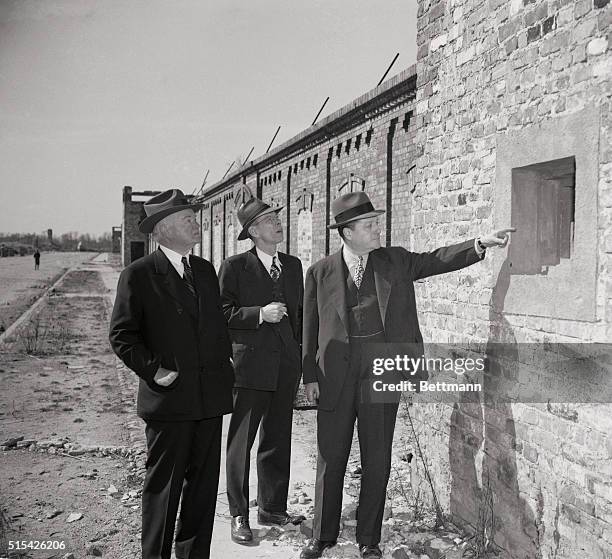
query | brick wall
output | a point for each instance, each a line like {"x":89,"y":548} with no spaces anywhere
{"x":494,"y":78}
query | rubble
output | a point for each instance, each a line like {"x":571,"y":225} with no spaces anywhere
{"x":66,"y":446}
{"x":11,"y":442}
{"x":94,"y":550}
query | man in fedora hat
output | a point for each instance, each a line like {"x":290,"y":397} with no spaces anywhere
{"x":168,"y":327}
{"x":360,"y":295}
{"x":261,"y":294}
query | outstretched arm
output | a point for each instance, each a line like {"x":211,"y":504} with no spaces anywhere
{"x":454,"y":257}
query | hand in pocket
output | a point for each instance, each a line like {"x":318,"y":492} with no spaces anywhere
{"x":165,"y":377}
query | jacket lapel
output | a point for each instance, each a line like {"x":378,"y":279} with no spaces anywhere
{"x":205,"y":292}
{"x":337,"y":287}
{"x":168,"y":278}
{"x":288,"y":273}
{"x":255,"y":266}
{"x":383,"y":280}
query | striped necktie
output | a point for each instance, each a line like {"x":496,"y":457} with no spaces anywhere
{"x":359,"y":270}
{"x":188,"y":276}
{"x":274,"y":270}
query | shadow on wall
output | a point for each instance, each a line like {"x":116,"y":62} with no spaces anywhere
{"x":482,"y":450}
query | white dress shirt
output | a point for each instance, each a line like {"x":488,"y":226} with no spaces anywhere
{"x":266,"y":260}
{"x":175,"y":259}
{"x":351,"y":259}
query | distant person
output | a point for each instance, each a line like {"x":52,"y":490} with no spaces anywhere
{"x":261,"y":294}
{"x":168,"y":327}
{"x":36,"y":260}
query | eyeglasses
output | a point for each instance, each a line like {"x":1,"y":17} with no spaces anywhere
{"x":270,"y":218}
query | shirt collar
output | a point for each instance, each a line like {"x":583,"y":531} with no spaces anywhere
{"x":175,"y":258}
{"x":350,"y":258}
{"x":266,"y":259}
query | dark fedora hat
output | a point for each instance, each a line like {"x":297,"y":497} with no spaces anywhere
{"x":162,"y":205}
{"x":250,"y":211}
{"x":351,"y":207}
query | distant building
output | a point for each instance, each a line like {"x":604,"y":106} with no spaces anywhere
{"x":134,"y":244}
{"x":116,"y":239}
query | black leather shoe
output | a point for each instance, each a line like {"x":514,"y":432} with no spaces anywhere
{"x":278,"y":518}
{"x":241,"y":531}
{"x":315,"y":548}
{"x":370,"y":551}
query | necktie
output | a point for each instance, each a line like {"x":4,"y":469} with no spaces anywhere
{"x":359,"y":272}
{"x":274,"y":270}
{"x":188,"y":276}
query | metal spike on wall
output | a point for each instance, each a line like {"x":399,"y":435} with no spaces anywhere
{"x":242,"y":196}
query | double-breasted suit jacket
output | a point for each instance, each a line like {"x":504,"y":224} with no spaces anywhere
{"x":158,"y":321}
{"x":155,"y":323}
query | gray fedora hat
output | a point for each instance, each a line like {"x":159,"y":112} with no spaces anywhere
{"x":351,"y":207}
{"x":250,"y":211}
{"x":162,"y":205}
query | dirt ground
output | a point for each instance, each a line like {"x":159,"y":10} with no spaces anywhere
{"x":72,"y":460}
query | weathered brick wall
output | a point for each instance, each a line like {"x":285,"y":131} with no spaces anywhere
{"x":488,"y":73}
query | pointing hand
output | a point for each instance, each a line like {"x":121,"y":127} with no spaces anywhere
{"x":497,"y":238}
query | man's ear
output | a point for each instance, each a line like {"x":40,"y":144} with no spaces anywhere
{"x":252,"y":231}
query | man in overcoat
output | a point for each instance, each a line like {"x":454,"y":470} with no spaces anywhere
{"x":261,"y":293}
{"x":168,"y":327}
{"x":362,"y":294}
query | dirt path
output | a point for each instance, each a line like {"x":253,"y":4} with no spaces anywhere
{"x":20,"y":284}
{"x":72,"y":467}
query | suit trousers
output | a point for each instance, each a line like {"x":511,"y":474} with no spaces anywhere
{"x":183,"y":457}
{"x":272,"y":413}
{"x":375,"y":427}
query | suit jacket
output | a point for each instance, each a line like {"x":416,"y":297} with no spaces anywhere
{"x":326,"y":338}
{"x":245,"y":288}
{"x":156,"y":321}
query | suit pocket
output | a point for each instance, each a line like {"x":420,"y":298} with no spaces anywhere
{"x":162,"y":389}
{"x":170,"y":363}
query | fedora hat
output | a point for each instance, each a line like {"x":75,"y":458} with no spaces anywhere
{"x":163,"y":205}
{"x":351,"y":207}
{"x":250,"y":211}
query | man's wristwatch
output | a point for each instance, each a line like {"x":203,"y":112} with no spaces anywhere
{"x":480,"y":245}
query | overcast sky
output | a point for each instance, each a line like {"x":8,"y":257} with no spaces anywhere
{"x":99,"y":94}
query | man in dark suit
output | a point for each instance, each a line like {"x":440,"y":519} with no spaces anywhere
{"x":261,"y":294}
{"x":168,"y":327}
{"x":360,"y":295}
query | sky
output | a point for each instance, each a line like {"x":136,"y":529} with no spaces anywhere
{"x":98,"y":94}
